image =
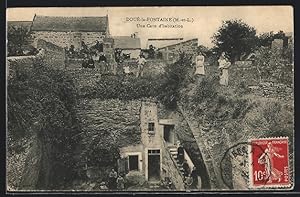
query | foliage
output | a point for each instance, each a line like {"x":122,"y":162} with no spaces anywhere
{"x":118,"y":87}
{"x":176,"y":77}
{"x":164,"y":87}
{"x":135,"y":178}
{"x":18,"y":37}
{"x":41,"y":101}
{"x":101,"y":152}
{"x":205,"y":90}
{"x":235,"y":38}
{"x":270,"y":118}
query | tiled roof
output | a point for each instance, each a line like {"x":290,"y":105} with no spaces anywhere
{"x":25,"y":24}
{"x":127,"y":42}
{"x":66,"y":24}
{"x":163,"y":42}
{"x":180,"y":42}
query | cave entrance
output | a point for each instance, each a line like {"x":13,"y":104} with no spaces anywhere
{"x":168,"y":134}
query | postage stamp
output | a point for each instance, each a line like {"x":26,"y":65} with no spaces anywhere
{"x":269,"y":159}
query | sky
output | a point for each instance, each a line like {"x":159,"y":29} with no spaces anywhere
{"x":204,"y":20}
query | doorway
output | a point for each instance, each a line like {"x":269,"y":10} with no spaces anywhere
{"x":169,"y":133}
{"x":153,"y":165}
{"x":133,"y":162}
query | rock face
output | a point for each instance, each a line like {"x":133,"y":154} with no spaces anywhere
{"x":212,"y":146}
{"x":16,"y":164}
{"x":118,"y":117}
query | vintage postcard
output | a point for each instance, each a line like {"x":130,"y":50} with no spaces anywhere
{"x":119,"y":99}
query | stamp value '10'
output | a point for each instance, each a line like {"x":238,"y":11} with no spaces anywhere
{"x":269,"y":163}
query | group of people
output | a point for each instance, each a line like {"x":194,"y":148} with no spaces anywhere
{"x":141,"y":61}
{"x":224,"y":65}
{"x":100,"y":63}
{"x":115,"y":181}
{"x":190,"y":177}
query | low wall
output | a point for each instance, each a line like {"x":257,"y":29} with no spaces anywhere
{"x":170,"y":170}
{"x":273,"y":90}
{"x":152,"y":67}
{"x":16,"y":63}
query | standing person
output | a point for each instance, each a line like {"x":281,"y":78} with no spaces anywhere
{"x":180,"y":153}
{"x":224,"y":65}
{"x":186,"y":168}
{"x":91,"y":63}
{"x":199,"y":60}
{"x":103,"y":62}
{"x":141,"y":63}
{"x":194,"y":175}
{"x":189,"y":182}
{"x":126,"y":69}
{"x":112,"y":179}
{"x":120,"y":183}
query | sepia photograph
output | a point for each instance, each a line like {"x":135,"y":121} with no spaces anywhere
{"x":149,"y":99}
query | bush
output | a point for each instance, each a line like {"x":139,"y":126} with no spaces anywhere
{"x":175,"y":77}
{"x":129,"y":88}
{"x":135,"y":178}
{"x":205,"y":90}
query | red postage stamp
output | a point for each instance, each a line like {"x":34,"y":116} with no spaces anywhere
{"x":269,"y":163}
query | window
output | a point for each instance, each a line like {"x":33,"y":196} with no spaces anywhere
{"x":133,"y":162}
{"x":151,"y":128}
{"x":154,"y":152}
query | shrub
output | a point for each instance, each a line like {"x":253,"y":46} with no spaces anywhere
{"x":205,"y":90}
{"x":175,"y":77}
{"x":135,"y":178}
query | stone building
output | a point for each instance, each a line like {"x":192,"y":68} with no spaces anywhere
{"x":67,"y":31}
{"x":130,"y":45}
{"x":170,"y":48}
{"x":145,"y":140}
{"x":16,"y":24}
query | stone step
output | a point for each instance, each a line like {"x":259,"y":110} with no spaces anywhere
{"x":173,"y":149}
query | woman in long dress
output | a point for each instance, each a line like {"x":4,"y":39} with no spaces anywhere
{"x":267,"y":159}
{"x":224,"y":65}
{"x":199,"y":64}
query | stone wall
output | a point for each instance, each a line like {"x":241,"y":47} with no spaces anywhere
{"x":273,"y":90}
{"x":152,"y":67}
{"x":119,"y":117}
{"x":15,"y":63}
{"x":65,"y":39}
{"x":169,"y":169}
{"x":54,"y":55}
{"x":171,"y":53}
{"x":244,"y":73}
{"x":18,"y":163}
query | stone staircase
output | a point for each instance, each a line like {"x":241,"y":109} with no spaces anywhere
{"x":173,"y":151}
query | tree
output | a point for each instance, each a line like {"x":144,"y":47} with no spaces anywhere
{"x":235,"y":38}
{"x":18,"y":37}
